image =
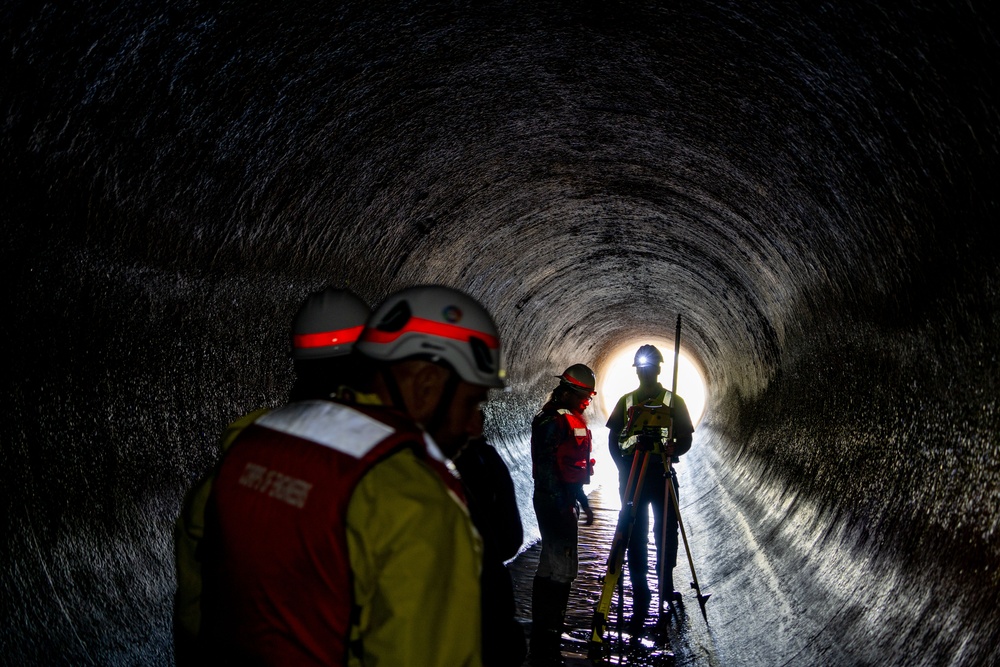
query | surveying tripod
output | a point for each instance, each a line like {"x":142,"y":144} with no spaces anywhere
{"x":653,"y":427}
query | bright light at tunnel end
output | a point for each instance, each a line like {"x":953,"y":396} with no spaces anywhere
{"x":617,"y":377}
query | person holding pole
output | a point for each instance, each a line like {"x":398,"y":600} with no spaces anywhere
{"x":647,"y":363}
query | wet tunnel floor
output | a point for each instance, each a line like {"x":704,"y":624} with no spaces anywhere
{"x":786,"y":590}
{"x":683,"y":634}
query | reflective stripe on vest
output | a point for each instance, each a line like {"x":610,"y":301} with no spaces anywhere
{"x":328,"y":424}
{"x":338,"y":427}
{"x":628,"y":444}
{"x":280,"y":505}
{"x":573,"y":455}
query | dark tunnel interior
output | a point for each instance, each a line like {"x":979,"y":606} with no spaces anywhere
{"x":813,"y":186}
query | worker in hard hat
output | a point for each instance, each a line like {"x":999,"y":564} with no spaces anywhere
{"x":647,"y":363}
{"x":324,"y":330}
{"x":561,"y":464}
{"x":336,"y":532}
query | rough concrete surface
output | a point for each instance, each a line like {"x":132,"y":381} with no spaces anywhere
{"x":812,"y":185}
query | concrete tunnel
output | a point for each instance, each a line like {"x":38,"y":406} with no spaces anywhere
{"x":811,"y":185}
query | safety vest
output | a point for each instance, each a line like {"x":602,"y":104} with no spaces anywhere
{"x":627,"y":442}
{"x":279,"y":509}
{"x":573,"y":455}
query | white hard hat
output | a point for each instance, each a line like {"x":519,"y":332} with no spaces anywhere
{"x":327,"y":324}
{"x":439,"y":324}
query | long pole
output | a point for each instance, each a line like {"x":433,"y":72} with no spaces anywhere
{"x":671,"y":496}
{"x":677,"y":356}
{"x":666,"y":469}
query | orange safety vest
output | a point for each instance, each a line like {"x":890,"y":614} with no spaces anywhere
{"x":573,"y":460}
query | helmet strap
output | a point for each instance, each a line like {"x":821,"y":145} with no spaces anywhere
{"x":444,"y":403}
{"x":392,"y":386}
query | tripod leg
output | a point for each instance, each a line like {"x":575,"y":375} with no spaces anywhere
{"x":621,"y":609}
{"x":660,"y":560}
{"x":702,"y":599}
{"x":616,"y":557}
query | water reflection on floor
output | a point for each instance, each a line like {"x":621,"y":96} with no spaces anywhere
{"x":595,"y":542}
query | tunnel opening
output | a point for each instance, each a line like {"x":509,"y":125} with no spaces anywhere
{"x":616,"y":376}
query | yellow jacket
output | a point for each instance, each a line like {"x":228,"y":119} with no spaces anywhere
{"x":415,"y":556}
{"x":188,"y":532}
{"x":416,"y":559}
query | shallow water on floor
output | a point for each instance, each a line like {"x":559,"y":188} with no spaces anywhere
{"x":594,"y":546}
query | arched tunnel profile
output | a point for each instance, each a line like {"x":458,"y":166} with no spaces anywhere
{"x":811,"y":185}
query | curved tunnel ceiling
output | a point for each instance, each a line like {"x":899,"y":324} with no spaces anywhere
{"x":811,"y":186}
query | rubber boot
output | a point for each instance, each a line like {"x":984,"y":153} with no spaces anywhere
{"x":540,"y":604}
{"x":548,"y":611}
{"x":561,"y":593}
{"x":640,"y":609}
{"x":560,"y":601}
{"x":668,"y":592}
{"x":543,"y":644}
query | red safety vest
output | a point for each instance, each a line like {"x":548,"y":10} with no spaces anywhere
{"x":282,"y":590}
{"x":573,"y":455}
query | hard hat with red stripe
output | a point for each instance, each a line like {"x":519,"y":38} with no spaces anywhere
{"x":439,"y":324}
{"x":328,"y":324}
{"x":580,"y":378}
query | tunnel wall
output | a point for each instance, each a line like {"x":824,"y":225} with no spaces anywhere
{"x":811,"y":185}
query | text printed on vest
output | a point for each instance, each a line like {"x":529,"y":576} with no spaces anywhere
{"x":276,"y":485}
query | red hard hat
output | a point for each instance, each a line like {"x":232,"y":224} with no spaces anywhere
{"x":580,"y":378}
